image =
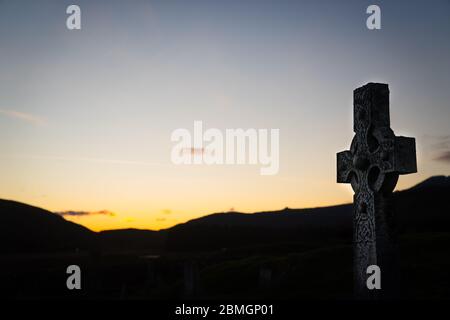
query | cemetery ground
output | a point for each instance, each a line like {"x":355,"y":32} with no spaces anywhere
{"x":297,"y":271}
{"x":287,"y":254}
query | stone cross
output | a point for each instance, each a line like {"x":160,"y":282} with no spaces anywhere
{"x":372,"y":165}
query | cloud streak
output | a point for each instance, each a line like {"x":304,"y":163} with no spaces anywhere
{"x":90,"y":160}
{"x":23,"y":116}
{"x":74,"y":213}
{"x":439,"y":146}
{"x":444,"y":156}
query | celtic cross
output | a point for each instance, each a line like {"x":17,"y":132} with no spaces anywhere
{"x":372,"y":165}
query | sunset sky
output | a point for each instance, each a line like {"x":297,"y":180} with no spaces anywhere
{"x":86,"y":115}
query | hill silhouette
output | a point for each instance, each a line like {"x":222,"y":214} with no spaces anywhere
{"x":422,"y":208}
{"x":24,"y":228}
{"x":234,"y":253}
{"x":131,"y":239}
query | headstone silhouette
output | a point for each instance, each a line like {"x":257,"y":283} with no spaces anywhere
{"x":372,"y":165}
{"x":151,"y":262}
{"x":265,"y":277}
{"x":191,"y":278}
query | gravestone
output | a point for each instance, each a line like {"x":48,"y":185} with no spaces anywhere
{"x":265,"y":277}
{"x":372,"y":165}
{"x":151,"y":262}
{"x":191,"y":278}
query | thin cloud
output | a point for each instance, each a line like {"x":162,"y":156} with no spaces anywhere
{"x":91,"y":160}
{"x":74,"y":213}
{"x":444,"y":156}
{"x":23,"y":116}
{"x":192,"y":151}
{"x":440,"y":142}
{"x":439,"y":147}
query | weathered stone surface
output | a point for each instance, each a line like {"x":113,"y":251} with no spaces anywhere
{"x":372,"y":165}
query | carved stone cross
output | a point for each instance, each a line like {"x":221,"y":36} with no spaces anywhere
{"x":372,"y":165}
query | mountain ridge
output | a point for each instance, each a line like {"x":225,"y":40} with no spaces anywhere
{"x":47,"y":231}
